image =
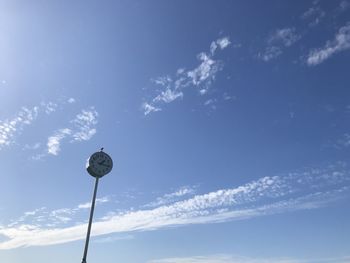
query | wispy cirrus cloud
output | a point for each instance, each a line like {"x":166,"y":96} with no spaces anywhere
{"x":269,"y":53}
{"x":313,"y":15}
{"x":42,"y":217}
{"x":203,"y":75}
{"x":277,"y":41}
{"x":343,"y":142}
{"x":168,"y":95}
{"x":85,"y":123}
{"x":87,"y":205}
{"x":33,"y":146}
{"x":340,"y":43}
{"x":148,"y":108}
{"x":200,"y":77}
{"x":49,"y":107}
{"x":308,"y":189}
{"x":183,"y":191}
{"x":112,"y":239}
{"x":286,"y":36}
{"x":71,"y":100}
{"x":220,"y":43}
{"x":344,"y":5}
{"x":82,"y":128}
{"x":11,"y":127}
{"x":53,"y":142}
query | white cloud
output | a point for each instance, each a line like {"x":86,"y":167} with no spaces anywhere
{"x":38,"y":157}
{"x":25,"y":217}
{"x":270,"y":52}
{"x":309,"y":189}
{"x":34,"y":146}
{"x":86,"y":205}
{"x":71,"y":100}
{"x":49,"y":107}
{"x":34,"y":212}
{"x":340,"y":43}
{"x":82,"y":130}
{"x":163,"y":81}
{"x":148,"y":108}
{"x":201,"y":77}
{"x":221,"y":43}
{"x":344,"y":141}
{"x":113,"y":238}
{"x":192,"y":211}
{"x":205,"y":72}
{"x":314,"y":14}
{"x":344,"y":5}
{"x":210,"y":102}
{"x":85,"y":123}
{"x":53,"y":142}
{"x":185,"y":190}
{"x":180,"y":71}
{"x":277,"y":41}
{"x":228,"y":97}
{"x":287,"y":36}
{"x":11,"y":127}
{"x":41,"y":217}
{"x":173,"y":197}
{"x":168,"y":96}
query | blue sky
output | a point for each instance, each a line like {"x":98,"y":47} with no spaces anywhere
{"x":228,"y":123}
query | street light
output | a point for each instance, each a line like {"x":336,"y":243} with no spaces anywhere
{"x":98,"y":165}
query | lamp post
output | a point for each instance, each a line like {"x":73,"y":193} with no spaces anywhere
{"x":98,"y":165}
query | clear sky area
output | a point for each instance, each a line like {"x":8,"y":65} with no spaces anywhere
{"x":228,"y":123}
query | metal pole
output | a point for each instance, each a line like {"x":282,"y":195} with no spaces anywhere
{"x":90,"y":221}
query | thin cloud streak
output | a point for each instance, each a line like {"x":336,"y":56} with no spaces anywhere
{"x":85,"y":123}
{"x":98,"y":201}
{"x":113,"y":239}
{"x":344,"y":5}
{"x":41,"y":217}
{"x":340,"y":43}
{"x":278,"y":41}
{"x":148,"y":108}
{"x":270,"y":53}
{"x":201,"y":77}
{"x":314,"y":15}
{"x":146,"y":220}
{"x":53,"y":142}
{"x":11,"y":127}
{"x":49,"y":107}
{"x":173,"y":197}
{"x":267,"y":196}
{"x":82,"y":129}
{"x":286,"y":36}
